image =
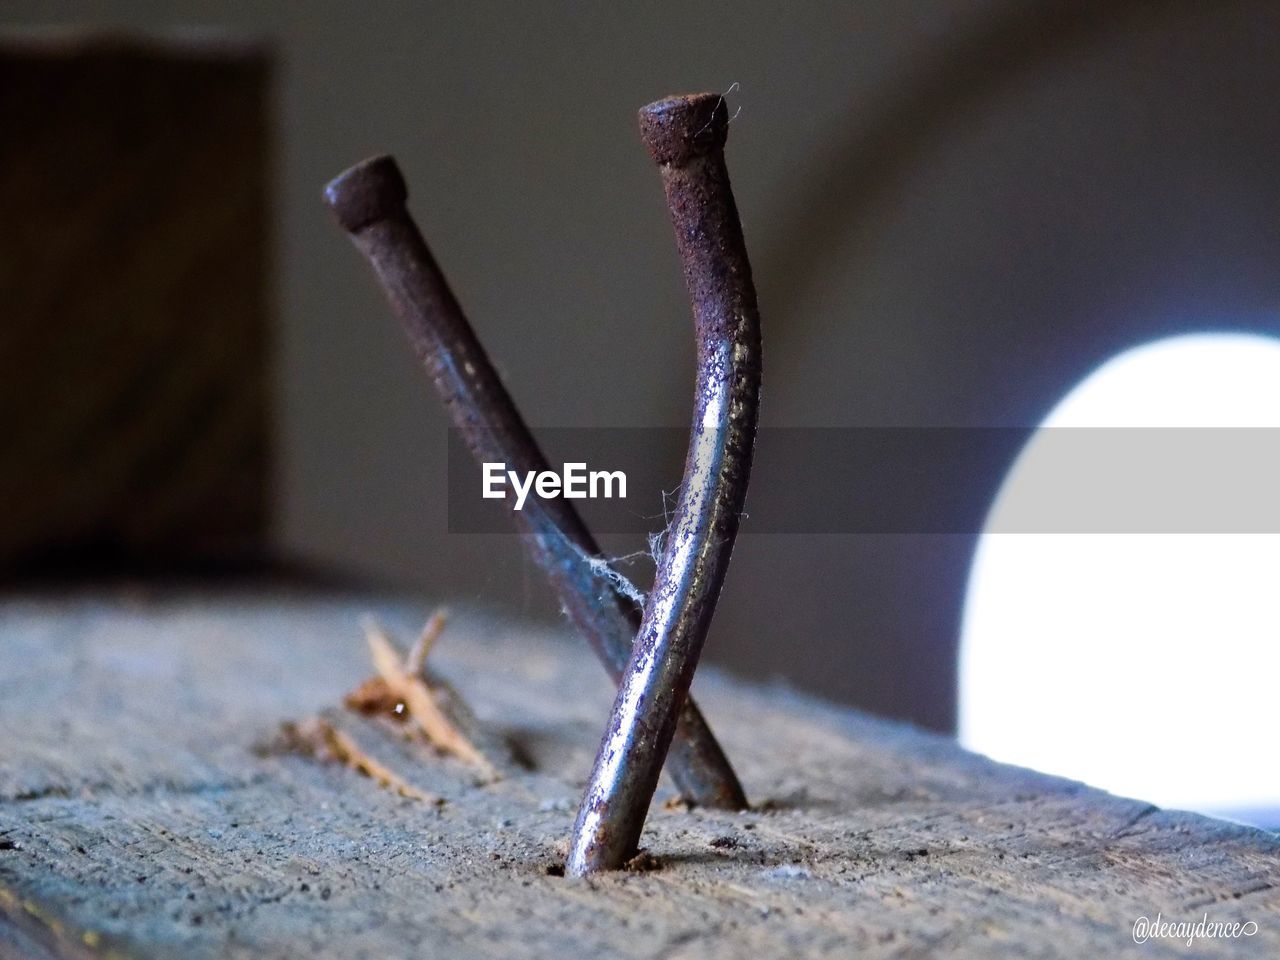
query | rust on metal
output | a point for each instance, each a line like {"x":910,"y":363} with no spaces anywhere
{"x":369,"y":201}
{"x":685,"y":136}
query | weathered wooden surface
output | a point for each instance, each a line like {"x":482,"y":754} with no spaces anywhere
{"x":137,"y":820}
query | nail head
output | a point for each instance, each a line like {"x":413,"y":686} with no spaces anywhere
{"x":372,"y":190}
{"x":677,"y":129}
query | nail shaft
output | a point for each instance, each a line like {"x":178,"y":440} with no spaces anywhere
{"x":685,"y":136}
{"x":369,"y":200}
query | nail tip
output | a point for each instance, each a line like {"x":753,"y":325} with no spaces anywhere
{"x":677,"y":129}
{"x":371,"y":190}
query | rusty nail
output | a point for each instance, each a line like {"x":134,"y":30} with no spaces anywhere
{"x":685,"y":136}
{"x":369,"y":201}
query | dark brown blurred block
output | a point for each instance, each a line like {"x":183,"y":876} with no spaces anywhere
{"x":134,"y":186}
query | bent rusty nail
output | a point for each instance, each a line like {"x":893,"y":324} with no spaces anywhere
{"x":685,"y":136}
{"x":369,"y":201}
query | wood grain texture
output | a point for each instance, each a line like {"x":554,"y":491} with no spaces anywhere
{"x":138,"y":820}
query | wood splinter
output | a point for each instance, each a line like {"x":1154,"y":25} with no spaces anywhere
{"x":403,"y":684}
{"x":317,"y":737}
{"x":403,"y":690}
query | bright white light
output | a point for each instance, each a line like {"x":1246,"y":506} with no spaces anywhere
{"x":1145,"y":664}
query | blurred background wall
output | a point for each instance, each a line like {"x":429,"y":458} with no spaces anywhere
{"x":955,"y":210}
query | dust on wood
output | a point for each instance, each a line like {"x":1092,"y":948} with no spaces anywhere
{"x":138,"y":821}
